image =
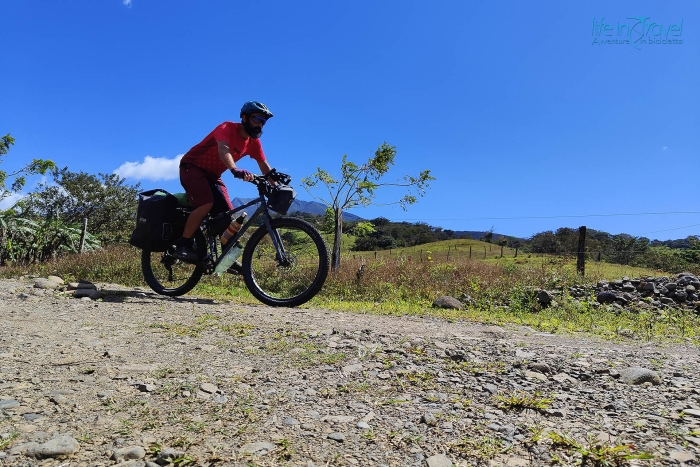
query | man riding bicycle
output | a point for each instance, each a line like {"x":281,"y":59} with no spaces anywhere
{"x":202,"y":166}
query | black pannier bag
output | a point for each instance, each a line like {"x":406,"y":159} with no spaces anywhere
{"x":159,"y":222}
{"x":281,"y":199}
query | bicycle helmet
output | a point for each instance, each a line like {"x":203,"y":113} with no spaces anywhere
{"x":255,"y":107}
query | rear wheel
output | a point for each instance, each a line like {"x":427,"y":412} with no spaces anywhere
{"x":169,"y":276}
{"x":294,"y":278}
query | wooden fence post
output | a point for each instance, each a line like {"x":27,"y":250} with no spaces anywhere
{"x":82,"y":236}
{"x":470,"y":252}
{"x":581,"y":254}
{"x":484,"y":251}
{"x":501,"y":251}
{"x":516,"y":252}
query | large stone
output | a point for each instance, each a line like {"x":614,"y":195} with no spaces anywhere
{"x":56,"y":279}
{"x":448,"y":302}
{"x":680,"y":296}
{"x":208,"y":388}
{"x":439,"y":460}
{"x":45,"y":284}
{"x":168,"y":455}
{"x":90,"y":293}
{"x":639,"y":375}
{"x":606,"y":297}
{"x":129,"y":453}
{"x":8,"y":404}
{"x":681,"y":456}
{"x":544,"y":297}
{"x":257,"y":449}
{"x":60,"y":447}
{"x":352,"y":368}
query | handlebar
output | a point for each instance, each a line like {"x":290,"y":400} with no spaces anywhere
{"x":264,"y":185}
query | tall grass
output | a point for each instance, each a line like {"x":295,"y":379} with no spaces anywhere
{"x":498,"y":290}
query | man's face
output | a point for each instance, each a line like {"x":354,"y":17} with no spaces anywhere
{"x":257,"y":120}
{"x":254,"y":123}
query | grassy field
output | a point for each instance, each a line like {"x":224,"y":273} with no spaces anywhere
{"x":406,"y":281}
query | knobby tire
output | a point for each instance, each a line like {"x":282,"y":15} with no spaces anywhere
{"x":298,"y":277}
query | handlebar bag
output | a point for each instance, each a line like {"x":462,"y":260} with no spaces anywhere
{"x":281,"y":199}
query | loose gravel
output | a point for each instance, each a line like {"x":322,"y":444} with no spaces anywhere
{"x":124,"y":377}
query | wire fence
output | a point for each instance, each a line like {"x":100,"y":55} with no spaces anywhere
{"x":667,"y":260}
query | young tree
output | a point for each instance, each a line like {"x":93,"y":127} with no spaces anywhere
{"x":357,"y":186}
{"x":36,"y":166}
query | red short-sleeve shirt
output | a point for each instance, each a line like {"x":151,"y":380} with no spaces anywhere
{"x":205,"y":154}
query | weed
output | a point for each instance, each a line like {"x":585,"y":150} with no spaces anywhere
{"x":596,"y":452}
{"x":522,"y":400}
{"x":183,"y":442}
{"x":236,"y":329}
{"x":394,"y":401}
{"x":485,"y":448}
{"x":6,"y":441}
{"x":185,"y":460}
{"x":285,"y":451}
{"x":163,"y":373}
{"x":155,"y":449}
{"x":196,"y":427}
{"x":477,"y":367}
{"x":126,"y":427}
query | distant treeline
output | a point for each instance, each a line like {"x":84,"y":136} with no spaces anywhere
{"x":388,"y":235}
{"x":669,"y":255}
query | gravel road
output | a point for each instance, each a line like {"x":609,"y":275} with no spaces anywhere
{"x":133,"y":379}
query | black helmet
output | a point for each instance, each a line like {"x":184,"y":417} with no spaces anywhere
{"x":255,"y":107}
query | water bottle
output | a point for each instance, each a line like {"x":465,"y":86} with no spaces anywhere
{"x":229,"y":258}
{"x":233,"y":228}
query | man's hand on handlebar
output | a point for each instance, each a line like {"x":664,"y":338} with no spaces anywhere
{"x":279,"y":177}
{"x":242,"y":174}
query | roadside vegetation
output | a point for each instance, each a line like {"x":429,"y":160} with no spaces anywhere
{"x":407,"y":281}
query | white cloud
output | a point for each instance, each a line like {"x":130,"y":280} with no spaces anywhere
{"x":152,"y":168}
{"x":664,"y":148}
{"x":10,"y":201}
{"x":126,"y":3}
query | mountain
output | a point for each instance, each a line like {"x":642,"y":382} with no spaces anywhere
{"x":309,"y":207}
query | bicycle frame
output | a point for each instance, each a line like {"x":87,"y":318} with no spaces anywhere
{"x":211,"y":261}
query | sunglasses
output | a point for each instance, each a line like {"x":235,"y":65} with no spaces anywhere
{"x":258,"y":119}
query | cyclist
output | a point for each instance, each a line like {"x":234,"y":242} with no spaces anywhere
{"x":202,"y":166}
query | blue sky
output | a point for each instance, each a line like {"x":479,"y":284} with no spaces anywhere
{"x":519,"y":115}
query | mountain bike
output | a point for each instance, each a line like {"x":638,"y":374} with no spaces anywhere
{"x":284,"y":262}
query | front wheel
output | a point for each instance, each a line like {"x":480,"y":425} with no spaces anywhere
{"x":296,"y":276}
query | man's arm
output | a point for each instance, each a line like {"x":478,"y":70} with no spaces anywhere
{"x":265,"y":169}
{"x":227,"y":158}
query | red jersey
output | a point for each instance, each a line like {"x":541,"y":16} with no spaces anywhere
{"x":205,"y":155}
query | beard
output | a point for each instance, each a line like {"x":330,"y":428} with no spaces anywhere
{"x":252,"y":131}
